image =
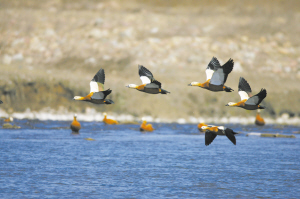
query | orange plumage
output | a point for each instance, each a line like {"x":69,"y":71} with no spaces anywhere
{"x":200,"y":125}
{"x":75,"y":125}
{"x":109,"y":121}
{"x":259,"y":121}
{"x":146,"y":127}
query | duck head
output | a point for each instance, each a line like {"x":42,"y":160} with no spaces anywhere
{"x":231,"y":104}
{"x":132,"y":86}
{"x":194,"y":84}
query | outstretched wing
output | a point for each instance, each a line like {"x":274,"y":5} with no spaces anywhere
{"x":209,"y":137}
{"x":256,"y":99}
{"x":101,"y":95}
{"x":230,"y":135}
{"x":213,"y":65}
{"x":244,"y":89}
{"x":97,"y":83}
{"x":219,"y":77}
{"x":145,"y":75}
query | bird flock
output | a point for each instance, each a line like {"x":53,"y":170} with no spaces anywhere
{"x":216,"y":76}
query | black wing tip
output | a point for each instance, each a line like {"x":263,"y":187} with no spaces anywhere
{"x":100,"y":76}
{"x":244,"y":85}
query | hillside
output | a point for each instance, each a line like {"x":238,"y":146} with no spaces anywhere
{"x":50,"y":50}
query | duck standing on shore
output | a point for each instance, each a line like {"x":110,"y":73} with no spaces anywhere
{"x":248,"y":101}
{"x":259,"y":121}
{"x":146,"y":127}
{"x":216,"y":76}
{"x":109,"y":121}
{"x":150,"y":85}
{"x":97,"y":93}
{"x":75,"y":125}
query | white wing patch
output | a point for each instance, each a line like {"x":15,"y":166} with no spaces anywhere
{"x":243,"y":95}
{"x":94,"y":86}
{"x":209,"y":73}
{"x":221,"y":128}
{"x":145,"y":80}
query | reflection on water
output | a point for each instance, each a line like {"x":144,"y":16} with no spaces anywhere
{"x":44,"y":159}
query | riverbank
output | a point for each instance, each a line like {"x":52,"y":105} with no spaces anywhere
{"x":92,"y":115}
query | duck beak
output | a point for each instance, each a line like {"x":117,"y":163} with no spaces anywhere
{"x":226,"y":105}
{"x":189,"y":84}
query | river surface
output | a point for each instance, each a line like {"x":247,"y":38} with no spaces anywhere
{"x":44,"y":160}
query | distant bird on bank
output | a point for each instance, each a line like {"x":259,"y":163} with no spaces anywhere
{"x":216,"y":76}
{"x":212,"y":132}
{"x":109,"y":121}
{"x":248,"y":101}
{"x":259,"y":121}
{"x":146,"y":127}
{"x":150,"y":85}
{"x":9,"y":119}
{"x":97,"y":93}
{"x":75,"y":125}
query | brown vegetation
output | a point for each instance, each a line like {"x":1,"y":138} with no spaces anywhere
{"x":50,"y":50}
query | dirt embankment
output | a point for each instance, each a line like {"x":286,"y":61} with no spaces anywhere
{"x":50,"y":51}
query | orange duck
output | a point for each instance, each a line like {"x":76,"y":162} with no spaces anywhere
{"x":259,"y":121}
{"x":9,"y":119}
{"x":109,"y":121}
{"x":75,"y":125}
{"x":146,"y":127}
{"x":248,"y":101}
{"x":97,"y":93}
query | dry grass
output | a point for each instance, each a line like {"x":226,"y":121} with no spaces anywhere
{"x":174,"y":39}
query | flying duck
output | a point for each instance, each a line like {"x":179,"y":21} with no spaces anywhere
{"x":146,"y":127}
{"x":109,"y":121}
{"x":212,"y":132}
{"x":216,"y":76}
{"x":97,"y":93}
{"x":150,"y":85}
{"x":75,"y":125}
{"x":259,"y":121}
{"x":248,"y":101}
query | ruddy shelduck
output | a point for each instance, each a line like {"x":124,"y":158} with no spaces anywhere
{"x":248,"y":101}
{"x":9,"y":119}
{"x":259,"y":121}
{"x":109,"y":121}
{"x":146,"y":127}
{"x":75,"y":125}
{"x":97,"y":93}
{"x":150,"y":85}
{"x":216,"y":76}
{"x":212,"y":132}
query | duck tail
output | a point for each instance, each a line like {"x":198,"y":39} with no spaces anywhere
{"x":261,"y":107}
{"x":228,"y":89}
{"x":108,"y":101}
{"x":164,"y":91}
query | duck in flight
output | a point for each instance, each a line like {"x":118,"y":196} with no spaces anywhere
{"x":97,"y":93}
{"x":248,"y":101}
{"x":150,"y":85}
{"x":212,"y":132}
{"x":216,"y":76}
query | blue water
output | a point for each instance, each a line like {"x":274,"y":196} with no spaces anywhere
{"x":44,"y":160}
